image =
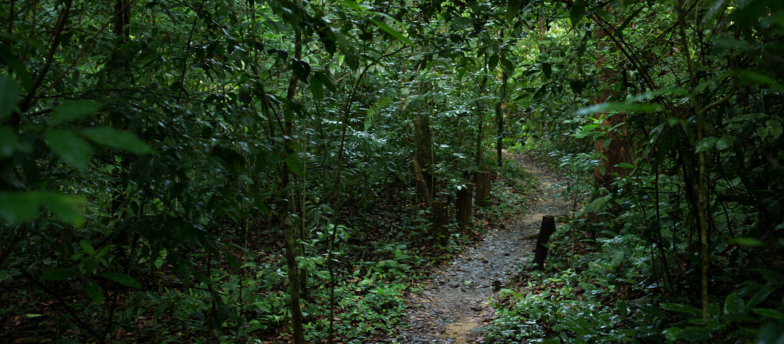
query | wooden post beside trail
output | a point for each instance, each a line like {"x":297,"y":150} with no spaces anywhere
{"x":464,"y":205}
{"x":547,"y":229}
{"x":482,"y":187}
{"x":440,"y":215}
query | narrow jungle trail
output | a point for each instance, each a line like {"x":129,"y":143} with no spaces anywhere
{"x":454,"y":304}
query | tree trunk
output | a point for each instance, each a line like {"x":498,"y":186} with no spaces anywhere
{"x":500,"y":112}
{"x":440,"y":215}
{"x":288,"y":227}
{"x":464,"y":200}
{"x":482,"y":187}
{"x":547,"y":229}
{"x":618,"y":150}
{"x":424,"y":154}
{"x":480,"y":119}
{"x":421,"y":184}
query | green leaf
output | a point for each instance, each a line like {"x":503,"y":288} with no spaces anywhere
{"x":65,"y":206}
{"x":116,"y":139}
{"x":354,"y":5}
{"x":753,"y":76}
{"x":94,"y":291}
{"x":351,"y":61}
{"x":733,"y":304}
{"x":770,"y":313}
{"x":16,"y":207}
{"x":392,"y":32}
{"x":577,"y":12}
{"x":8,"y":142}
{"x":492,"y":62}
{"x":301,"y":69}
{"x":293,"y":164}
{"x":59,"y":274}
{"x":9,"y":92}
{"x":725,"y":142}
{"x":577,"y":86}
{"x":608,"y":107}
{"x":70,"y":147}
{"x":694,"y":334}
{"x":547,"y":69}
{"x":747,"y":242}
{"x":677,"y":307}
{"x":72,"y":110}
{"x":605,"y":15}
{"x":326,"y":82}
{"x":512,"y":9}
{"x":123,"y":279}
{"x":713,"y":11}
{"x":706,"y":144}
{"x":87,"y":247}
{"x":316,"y":89}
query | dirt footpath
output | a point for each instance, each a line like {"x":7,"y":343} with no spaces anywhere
{"x":454,"y":304}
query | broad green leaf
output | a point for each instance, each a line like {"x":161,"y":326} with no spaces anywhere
{"x":608,"y":107}
{"x":774,"y":128}
{"x":493,"y":62}
{"x":94,"y":291}
{"x":120,"y":278}
{"x":577,"y":12}
{"x":392,"y":32}
{"x":762,"y":132}
{"x":625,"y":165}
{"x":16,"y":207}
{"x":71,"y":148}
{"x":116,"y":139}
{"x":351,"y":61}
{"x":8,"y":142}
{"x":605,"y":15}
{"x":694,"y":334}
{"x":577,"y":86}
{"x":315,"y":88}
{"x":725,"y":142}
{"x":73,"y":110}
{"x":293,"y":164}
{"x":770,"y":313}
{"x":713,"y":11}
{"x":598,"y":203}
{"x":747,"y":242}
{"x":59,"y":274}
{"x":512,"y":9}
{"x":87,"y":247}
{"x":353,"y":5}
{"x":706,"y":144}
{"x":677,"y":307}
{"x":759,"y":78}
{"x":64,"y":206}
{"x":301,"y":69}
{"x":326,"y":82}
{"x":9,"y":92}
{"x":733,"y":304}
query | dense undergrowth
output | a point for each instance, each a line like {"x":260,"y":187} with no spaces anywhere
{"x":381,"y":256}
{"x":606,"y":283}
